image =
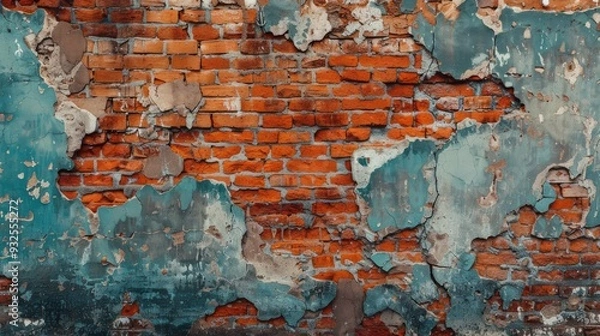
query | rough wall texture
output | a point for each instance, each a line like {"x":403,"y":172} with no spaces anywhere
{"x":375,"y":167}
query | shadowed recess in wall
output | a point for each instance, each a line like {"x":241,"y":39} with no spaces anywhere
{"x":178,"y":254}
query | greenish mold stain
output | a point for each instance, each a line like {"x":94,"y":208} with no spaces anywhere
{"x":399,"y":191}
{"x":422,"y":288}
{"x":177,"y":253}
{"x":416,"y":318}
{"x":548,"y":228}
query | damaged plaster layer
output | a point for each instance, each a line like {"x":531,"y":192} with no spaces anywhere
{"x":468,"y":295}
{"x":302,"y":24}
{"x":164,"y":163}
{"x":548,"y":228}
{"x":400,"y":190}
{"x":60,"y":47}
{"x":418,"y":320}
{"x":347,"y":307}
{"x":78,"y":122}
{"x":368,"y":20}
{"x":484,"y":174}
{"x":178,"y":96}
{"x":189,"y":261}
{"x":268,"y":266}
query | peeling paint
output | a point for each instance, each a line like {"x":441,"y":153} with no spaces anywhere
{"x":383,"y":297}
{"x":302,"y":24}
{"x":87,"y":260}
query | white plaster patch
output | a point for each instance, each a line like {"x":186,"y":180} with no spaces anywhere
{"x":368,"y":20}
{"x":78,"y":122}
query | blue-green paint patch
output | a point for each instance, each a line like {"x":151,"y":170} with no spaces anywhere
{"x":483,"y":174}
{"x":383,"y":260}
{"x":399,"y":191}
{"x":548,"y":197}
{"x":548,"y":229}
{"x":468,"y":294}
{"x":408,"y":6}
{"x":444,"y":38}
{"x":465,"y":261}
{"x":510,"y":293}
{"x":383,"y":297}
{"x":423,"y":288}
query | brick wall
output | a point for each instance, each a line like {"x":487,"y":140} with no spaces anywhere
{"x":278,"y":126}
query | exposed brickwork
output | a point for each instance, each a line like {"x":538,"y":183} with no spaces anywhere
{"x":279,"y":126}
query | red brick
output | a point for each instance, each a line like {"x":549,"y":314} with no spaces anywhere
{"x":194,"y":16}
{"x":113,"y":122}
{"x":343,"y":60}
{"x":182,"y":47}
{"x":356,"y":75}
{"x":255,"y":47}
{"x":248,"y":63}
{"x":162,"y":16}
{"x":385,"y":61}
{"x":235,"y":120}
{"x":200,"y":167}
{"x":249,"y":181}
{"x":277,"y":121}
{"x":331,"y":120}
{"x":369,"y":119}
{"x":172,"y":32}
{"x":186,"y":62}
{"x":90,"y":14}
{"x":215,"y":63}
{"x":218,"y":47}
{"x":281,"y":151}
{"x":283,"y":180}
{"x":263,"y":105}
{"x":343,"y":150}
{"x":98,"y":180}
{"x":136,"y":30}
{"x":327,"y":77}
{"x":362,"y":104}
{"x":312,"y":166}
{"x":330,"y":135}
{"x":226,"y":151}
{"x":146,"y":62}
{"x":294,"y":137}
{"x":126,"y":16}
{"x":288,"y":91}
{"x":358,"y":134}
{"x":231,"y":137}
{"x":439,"y":90}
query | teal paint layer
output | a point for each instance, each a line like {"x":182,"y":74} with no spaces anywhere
{"x":422,"y":287}
{"x":383,"y":297}
{"x":468,"y":295}
{"x":178,"y":253}
{"x":548,"y":197}
{"x":444,"y":38}
{"x":383,"y":260}
{"x":510,"y":293}
{"x":485,"y":173}
{"x":399,"y":191}
{"x":548,"y":228}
